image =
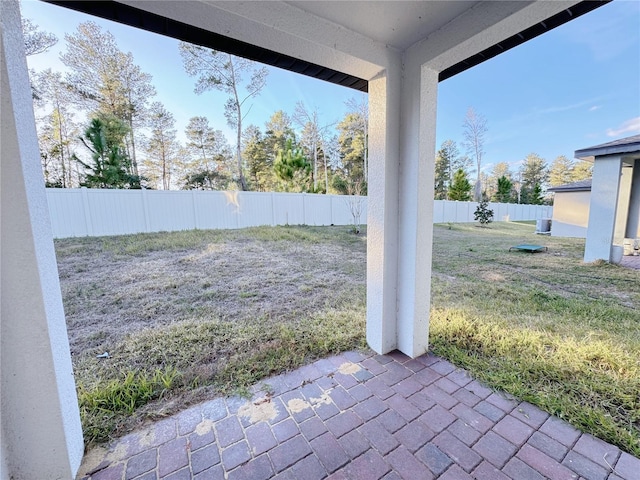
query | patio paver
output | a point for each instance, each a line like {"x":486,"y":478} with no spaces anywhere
{"x":364,"y":416}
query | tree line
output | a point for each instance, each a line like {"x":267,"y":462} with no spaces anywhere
{"x":527,"y":184}
{"x":100,"y":126}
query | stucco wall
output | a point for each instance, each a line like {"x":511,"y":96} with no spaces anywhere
{"x":570,"y":214}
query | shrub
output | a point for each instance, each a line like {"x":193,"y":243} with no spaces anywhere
{"x":483,"y":213}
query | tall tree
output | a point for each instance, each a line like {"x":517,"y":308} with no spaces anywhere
{"x":581,"y":171}
{"x":278,"y":130}
{"x":352,"y":149}
{"x":259,"y":165}
{"x":448,"y":161}
{"x":210,"y":155}
{"x":35,"y":40}
{"x":293,"y":169}
{"x":106,"y":80}
{"x":221,"y":71}
{"x":460,"y":187}
{"x":534,"y":174}
{"x":311,"y":139}
{"x":57,"y":130}
{"x":560,"y":171}
{"x":162,"y":146}
{"x":501,"y":169}
{"x":360,"y":108}
{"x":474,"y":129}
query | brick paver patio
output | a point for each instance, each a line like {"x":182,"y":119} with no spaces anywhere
{"x":363,"y":416}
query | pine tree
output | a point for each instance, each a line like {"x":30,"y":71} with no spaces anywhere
{"x":104,"y":137}
{"x":460,"y":187}
{"x":505,"y":186}
{"x":293,"y":169}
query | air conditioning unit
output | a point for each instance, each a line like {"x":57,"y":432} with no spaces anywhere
{"x":543,"y":226}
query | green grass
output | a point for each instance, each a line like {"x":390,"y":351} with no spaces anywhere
{"x":543,"y":327}
{"x":234,"y":307}
{"x":228,"y":357}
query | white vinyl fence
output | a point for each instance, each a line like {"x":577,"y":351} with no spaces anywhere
{"x":79,"y":212}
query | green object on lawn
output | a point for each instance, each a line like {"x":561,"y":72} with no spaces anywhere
{"x":529,"y":248}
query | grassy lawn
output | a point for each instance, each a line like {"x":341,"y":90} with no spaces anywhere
{"x":188,"y":315}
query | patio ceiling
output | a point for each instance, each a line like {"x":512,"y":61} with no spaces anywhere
{"x":364,"y":29}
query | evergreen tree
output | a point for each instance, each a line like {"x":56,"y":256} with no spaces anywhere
{"x":104,"y":137}
{"x":534,"y":175}
{"x":293,"y":169}
{"x":560,"y":171}
{"x":503,"y":193}
{"x":57,"y":130}
{"x":106,"y":81}
{"x":447,"y":162}
{"x":210,"y":157}
{"x":581,"y":171}
{"x":162,"y":147}
{"x":260,"y":174}
{"x":352,"y":143}
{"x":460,"y":187}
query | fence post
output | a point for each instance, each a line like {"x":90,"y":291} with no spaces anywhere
{"x":331,"y":222}
{"x":273,"y":211}
{"x":304,"y":210}
{"x":87,"y":213}
{"x":196,"y":220}
{"x":145,"y":210}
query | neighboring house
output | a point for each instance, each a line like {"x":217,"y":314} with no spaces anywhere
{"x":614,"y":203}
{"x":571,"y":209}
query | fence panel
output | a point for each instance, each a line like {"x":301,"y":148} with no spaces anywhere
{"x":116,"y":212}
{"x":60,"y":203}
{"x":168,"y":211}
{"x":253,"y":209}
{"x":213,"y":210}
{"x":288,"y":209}
{"x":317,"y":210}
{"x":94,"y":212}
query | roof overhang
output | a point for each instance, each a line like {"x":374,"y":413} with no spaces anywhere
{"x":353,"y":36}
{"x":628,"y":147}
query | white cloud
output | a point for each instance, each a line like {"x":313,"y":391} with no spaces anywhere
{"x":630,"y":126}
{"x":594,"y":108}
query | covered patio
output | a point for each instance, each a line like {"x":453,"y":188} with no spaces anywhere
{"x":398,"y":55}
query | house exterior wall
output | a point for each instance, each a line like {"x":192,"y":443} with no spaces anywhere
{"x":570,"y":214}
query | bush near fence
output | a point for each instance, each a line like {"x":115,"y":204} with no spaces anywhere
{"x":79,"y":212}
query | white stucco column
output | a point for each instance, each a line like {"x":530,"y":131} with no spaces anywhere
{"x":622,"y":210}
{"x":382,"y":210}
{"x":633,"y":220}
{"x":605,"y":188}
{"x":400,"y":221}
{"x":41,"y":434}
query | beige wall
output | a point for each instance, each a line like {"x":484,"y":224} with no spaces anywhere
{"x":570,"y":214}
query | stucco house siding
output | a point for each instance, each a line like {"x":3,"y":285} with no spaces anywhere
{"x":570,"y":214}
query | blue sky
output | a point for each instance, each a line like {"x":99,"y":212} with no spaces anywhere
{"x":573,"y":87}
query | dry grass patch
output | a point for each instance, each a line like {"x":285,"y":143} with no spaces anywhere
{"x":188,"y":315}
